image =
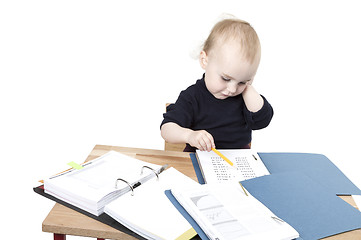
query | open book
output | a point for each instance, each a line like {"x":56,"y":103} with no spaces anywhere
{"x":223,"y":211}
{"x":247,"y":165}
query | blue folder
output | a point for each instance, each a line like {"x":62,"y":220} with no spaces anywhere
{"x":314,"y":211}
{"x":316,"y":166}
{"x":302,"y":189}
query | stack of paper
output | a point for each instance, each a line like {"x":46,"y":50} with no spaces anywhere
{"x":94,"y":186}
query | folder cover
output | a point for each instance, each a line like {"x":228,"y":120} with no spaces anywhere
{"x":316,"y":166}
{"x":314,"y":211}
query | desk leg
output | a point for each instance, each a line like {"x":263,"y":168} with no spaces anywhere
{"x":59,"y":236}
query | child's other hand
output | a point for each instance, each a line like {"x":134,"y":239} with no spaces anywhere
{"x":202,"y":140}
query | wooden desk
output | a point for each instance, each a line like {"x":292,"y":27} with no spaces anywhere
{"x":64,"y":221}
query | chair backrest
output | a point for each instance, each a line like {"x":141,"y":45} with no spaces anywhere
{"x":179,"y":147}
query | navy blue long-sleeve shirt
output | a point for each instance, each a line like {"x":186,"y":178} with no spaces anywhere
{"x":227,"y":120}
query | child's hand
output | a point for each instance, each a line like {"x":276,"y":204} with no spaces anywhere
{"x":202,"y":140}
{"x":252,"y":99}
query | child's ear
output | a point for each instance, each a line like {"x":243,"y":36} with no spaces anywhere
{"x":203,"y":59}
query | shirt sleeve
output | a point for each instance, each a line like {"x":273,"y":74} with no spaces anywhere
{"x":260,"y":119}
{"x":181,"y":112}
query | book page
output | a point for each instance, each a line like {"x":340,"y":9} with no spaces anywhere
{"x":149,"y":212}
{"x":223,"y":211}
{"x":247,"y":165}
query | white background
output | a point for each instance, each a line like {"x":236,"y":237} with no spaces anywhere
{"x":79,"y":73}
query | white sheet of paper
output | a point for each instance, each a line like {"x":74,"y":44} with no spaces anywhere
{"x":247,"y":165}
{"x":223,"y":211}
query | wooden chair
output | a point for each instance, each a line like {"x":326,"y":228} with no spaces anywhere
{"x":178,"y":147}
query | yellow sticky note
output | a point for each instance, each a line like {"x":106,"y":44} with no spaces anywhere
{"x":75,"y":165}
{"x":187,"y":235}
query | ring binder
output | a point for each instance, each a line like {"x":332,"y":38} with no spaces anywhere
{"x":130,"y":186}
{"x":156,"y":174}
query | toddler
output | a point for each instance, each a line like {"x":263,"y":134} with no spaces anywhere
{"x":222,"y":108}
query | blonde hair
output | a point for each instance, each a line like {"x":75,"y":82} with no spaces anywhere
{"x":236,"y":30}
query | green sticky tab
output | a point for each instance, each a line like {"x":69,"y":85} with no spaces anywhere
{"x":75,"y":165}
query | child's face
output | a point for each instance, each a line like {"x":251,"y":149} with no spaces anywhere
{"x":227,"y":73}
